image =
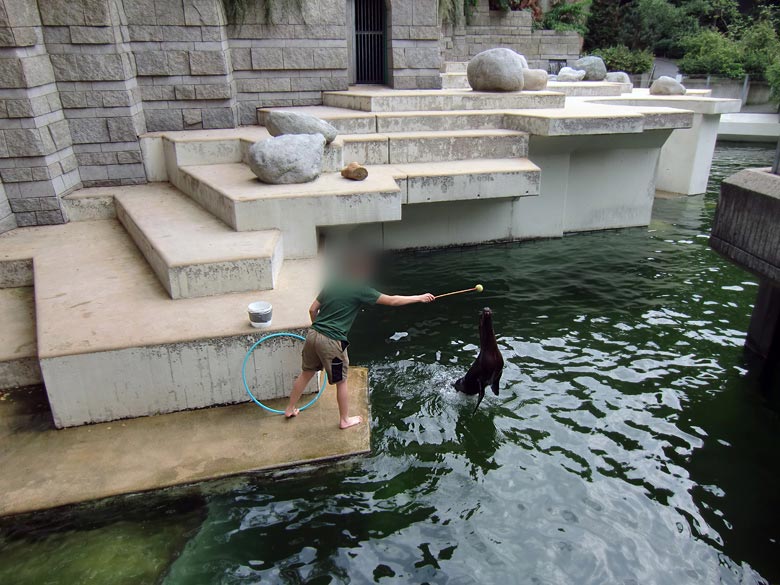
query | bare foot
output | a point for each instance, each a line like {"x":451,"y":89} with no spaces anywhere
{"x":350,"y":421}
{"x":291,"y":413}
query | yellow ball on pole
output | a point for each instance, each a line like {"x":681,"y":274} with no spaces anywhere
{"x":479,"y":288}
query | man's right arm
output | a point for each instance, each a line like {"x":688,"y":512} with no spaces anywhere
{"x":400,"y":300}
{"x":314,"y":310}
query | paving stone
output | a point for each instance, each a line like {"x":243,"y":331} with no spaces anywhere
{"x":24,"y":142}
{"x":158,"y":120}
{"x":117,"y":98}
{"x":89,"y":130}
{"x":152,"y":93}
{"x":218,"y":118}
{"x":185,"y":92}
{"x":61,"y":12}
{"x":88,"y":67}
{"x":151,"y":63}
{"x":181,"y":34}
{"x":15,"y":176}
{"x":208,"y":63}
{"x":20,"y":108}
{"x":335,"y":58}
{"x":49,"y":217}
{"x":11,"y":73}
{"x":192,"y":118}
{"x":241,"y":59}
{"x":212,"y":92}
{"x":423,"y":58}
{"x":91,"y":35}
{"x":298,"y":57}
{"x":178,"y":62}
{"x":25,"y":219}
{"x":201,"y":12}
{"x":129,"y":157}
{"x":121,"y":130}
{"x":268,"y":58}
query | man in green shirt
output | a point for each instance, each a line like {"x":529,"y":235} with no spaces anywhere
{"x":332,"y":315}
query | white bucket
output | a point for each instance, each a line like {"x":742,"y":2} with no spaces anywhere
{"x":260,"y":314}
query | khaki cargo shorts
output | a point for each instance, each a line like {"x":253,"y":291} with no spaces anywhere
{"x":320,"y":351}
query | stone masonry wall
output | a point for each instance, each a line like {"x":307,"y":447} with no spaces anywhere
{"x":487,"y":29}
{"x":81,"y":80}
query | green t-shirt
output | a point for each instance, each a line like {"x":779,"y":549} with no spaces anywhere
{"x":340,"y":303}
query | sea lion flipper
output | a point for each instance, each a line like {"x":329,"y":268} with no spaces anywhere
{"x":481,"y":396}
{"x":494,"y":385}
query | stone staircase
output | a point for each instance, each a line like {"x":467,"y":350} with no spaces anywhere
{"x":453,"y":75}
{"x":153,"y":320}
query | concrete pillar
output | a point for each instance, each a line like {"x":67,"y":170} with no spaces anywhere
{"x":763,"y":336}
{"x":415,"y":54}
{"x":87,"y":41}
{"x":37,"y":163}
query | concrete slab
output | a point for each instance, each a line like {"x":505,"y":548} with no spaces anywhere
{"x":191,"y":251}
{"x":589,"y":88}
{"x":390,"y":100}
{"x":18,"y":345}
{"x":409,"y":147}
{"x":692,"y":101}
{"x":61,"y":467}
{"x":749,"y":127}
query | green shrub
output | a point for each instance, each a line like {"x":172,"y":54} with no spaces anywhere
{"x":773,"y":78}
{"x":760,"y":47}
{"x":621,"y":58}
{"x":712,"y":53}
{"x":568,"y":16}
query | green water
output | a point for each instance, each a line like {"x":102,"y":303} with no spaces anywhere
{"x":630,"y":443}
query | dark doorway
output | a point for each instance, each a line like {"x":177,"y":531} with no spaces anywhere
{"x":370,"y":45}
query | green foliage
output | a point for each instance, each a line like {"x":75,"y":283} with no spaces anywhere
{"x":773,"y":78}
{"x":713,"y":53}
{"x":603,"y":24}
{"x":716,"y":14}
{"x":568,"y":16}
{"x":656,"y":25}
{"x":621,"y":58}
{"x":451,"y":11}
{"x":760,"y":47}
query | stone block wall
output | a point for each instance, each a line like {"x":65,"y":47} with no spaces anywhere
{"x":487,"y":29}
{"x":415,"y":53}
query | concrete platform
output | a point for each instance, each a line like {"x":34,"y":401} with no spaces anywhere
{"x":589,"y":88}
{"x":112,"y":344}
{"x":191,"y":251}
{"x":233,"y":193}
{"x":749,"y":127}
{"x":18,"y":347}
{"x":389,"y":100}
{"x":61,"y":467}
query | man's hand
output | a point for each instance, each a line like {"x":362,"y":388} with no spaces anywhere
{"x":426,"y":298}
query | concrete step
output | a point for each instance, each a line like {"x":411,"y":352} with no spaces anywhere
{"x":112,"y":344}
{"x":351,"y":122}
{"x":589,"y":88}
{"x":455,"y":81}
{"x":408,"y":147}
{"x":232,"y":193}
{"x":466,"y":180}
{"x":379,"y":100}
{"x":454,"y":66}
{"x":193,"y":253}
{"x":18,"y":344}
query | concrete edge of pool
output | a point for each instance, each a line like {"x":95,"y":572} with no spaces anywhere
{"x":47,"y":468}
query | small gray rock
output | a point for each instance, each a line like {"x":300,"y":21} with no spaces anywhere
{"x":534,"y":79}
{"x":618,"y":77}
{"x":667,"y":86}
{"x":279,"y":122}
{"x":569,"y":74}
{"x":593,"y":66}
{"x":496,"y":70}
{"x":292,"y":158}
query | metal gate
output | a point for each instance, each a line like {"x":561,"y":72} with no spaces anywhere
{"x":370,"y":51}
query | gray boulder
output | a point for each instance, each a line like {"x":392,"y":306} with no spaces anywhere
{"x":569,"y":74}
{"x":279,"y":122}
{"x":593,"y":66}
{"x":292,"y":158}
{"x":667,"y":86}
{"x":618,"y":77}
{"x":496,"y":70}
{"x":534,"y":79}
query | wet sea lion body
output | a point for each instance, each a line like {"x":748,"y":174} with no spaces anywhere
{"x":487,"y":368}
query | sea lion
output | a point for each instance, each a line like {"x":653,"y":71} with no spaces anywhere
{"x":487,"y":368}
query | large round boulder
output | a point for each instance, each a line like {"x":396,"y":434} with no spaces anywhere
{"x":280,"y":122}
{"x":618,"y":77}
{"x":569,"y":74}
{"x":534,"y":79}
{"x":496,"y":70}
{"x":292,"y":158}
{"x":593,"y":66}
{"x":667,"y":86}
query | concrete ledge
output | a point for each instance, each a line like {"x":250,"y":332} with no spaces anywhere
{"x":589,"y":88}
{"x":745,"y":227}
{"x":88,"y":463}
{"x":193,"y":253}
{"x":387,"y":100}
{"x":18,"y":345}
{"x":90,"y":204}
{"x":692,"y":102}
{"x":749,"y":127}
{"x":410,"y":147}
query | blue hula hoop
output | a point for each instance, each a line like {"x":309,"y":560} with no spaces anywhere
{"x":246,"y":384}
